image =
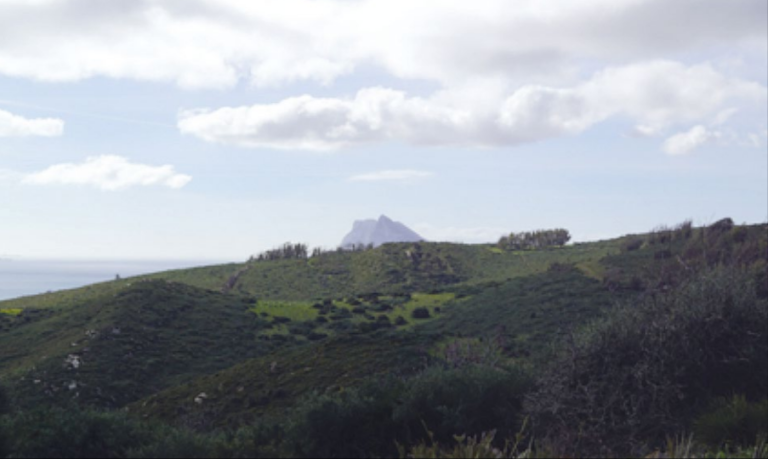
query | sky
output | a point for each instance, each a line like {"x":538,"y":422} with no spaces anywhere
{"x":215,"y":129}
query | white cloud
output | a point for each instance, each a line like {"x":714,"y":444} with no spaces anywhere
{"x":477,"y":235}
{"x":216,"y":43}
{"x":17,"y":126}
{"x":395,"y":175}
{"x":310,"y":123}
{"x":655,"y":95}
{"x":108,"y":173}
{"x":683,"y":143}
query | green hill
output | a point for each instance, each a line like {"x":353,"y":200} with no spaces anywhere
{"x":224,"y":346}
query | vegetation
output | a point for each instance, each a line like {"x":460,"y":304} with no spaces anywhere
{"x":650,"y":366}
{"x":535,"y":239}
{"x":651,"y":345}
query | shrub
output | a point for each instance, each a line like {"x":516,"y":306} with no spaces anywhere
{"x":4,"y":408}
{"x":734,"y":420}
{"x":469,"y":400}
{"x":180,"y":443}
{"x":62,"y":432}
{"x":368,"y":421}
{"x":354,"y":423}
{"x":632,"y":245}
{"x":721,"y":226}
{"x":646,"y":370}
{"x":420,"y":313}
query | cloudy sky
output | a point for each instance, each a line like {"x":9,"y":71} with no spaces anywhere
{"x":218,"y":128}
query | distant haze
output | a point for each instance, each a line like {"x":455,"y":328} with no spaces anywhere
{"x":25,"y":277}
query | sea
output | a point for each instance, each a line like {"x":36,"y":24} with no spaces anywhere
{"x":30,"y":277}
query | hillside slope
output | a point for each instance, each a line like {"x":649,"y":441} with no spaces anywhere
{"x":158,"y":341}
{"x":114,"y":349}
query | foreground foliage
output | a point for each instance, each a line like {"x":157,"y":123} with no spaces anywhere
{"x":652,"y":365}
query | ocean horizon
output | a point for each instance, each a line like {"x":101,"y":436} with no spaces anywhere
{"x":20,"y":278}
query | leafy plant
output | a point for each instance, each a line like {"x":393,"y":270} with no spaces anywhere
{"x":733,"y":420}
{"x":647,"y":369}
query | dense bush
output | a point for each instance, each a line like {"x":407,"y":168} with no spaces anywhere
{"x":4,"y":407}
{"x":733,"y":420}
{"x":367,"y":421}
{"x":469,"y":400}
{"x":61,"y":432}
{"x":354,"y":423}
{"x":645,"y":371}
{"x":535,"y":239}
{"x":632,"y":244}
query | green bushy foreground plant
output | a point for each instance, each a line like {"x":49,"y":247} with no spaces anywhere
{"x":370,"y":420}
{"x":3,"y":410}
{"x":733,"y":420}
{"x":62,"y":432}
{"x":651,"y":366}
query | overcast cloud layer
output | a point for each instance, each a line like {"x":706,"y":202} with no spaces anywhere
{"x":508,"y":72}
{"x":216,"y":43}
{"x":467,"y":118}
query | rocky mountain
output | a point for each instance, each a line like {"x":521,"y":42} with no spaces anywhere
{"x":378,"y":232}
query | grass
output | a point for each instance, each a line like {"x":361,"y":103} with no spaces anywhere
{"x":267,"y":386}
{"x":150,"y":336}
{"x":294,"y":310}
{"x":180,"y":335}
{"x":526,"y":315}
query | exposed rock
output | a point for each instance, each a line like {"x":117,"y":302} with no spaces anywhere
{"x":378,"y":232}
{"x":73,"y":361}
{"x":201,"y":398}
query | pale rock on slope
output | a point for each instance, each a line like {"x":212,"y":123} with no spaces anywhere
{"x":378,"y":232}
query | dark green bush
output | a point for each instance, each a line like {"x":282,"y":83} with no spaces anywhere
{"x":355,"y":423}
{"x":645,"y":372}
{"x":469,"y":400}
{"x":632,"y":245}
{"x":367,"y":421}
{"x":4,"y":408}
{"x":735,"y":421}
{"x":180,"y":443}
{"x":71,"y":432}
{"x":420,"y":313}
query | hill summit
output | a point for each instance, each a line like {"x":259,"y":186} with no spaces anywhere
{"x":378,"y":232}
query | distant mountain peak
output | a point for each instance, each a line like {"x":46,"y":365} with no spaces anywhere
{"x":378,"y":232}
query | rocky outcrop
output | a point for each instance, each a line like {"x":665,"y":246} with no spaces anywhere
{"x":378,"y":232}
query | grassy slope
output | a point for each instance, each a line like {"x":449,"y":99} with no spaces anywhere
{"x":175,"y":332}
{"x":269,"y":385}
{"x":525,"y":314}
{"x":528,"y":312}
{"x":145,"y":338}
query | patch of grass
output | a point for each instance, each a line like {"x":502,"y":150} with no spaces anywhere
{"x":294,"y":310}
{"x":11,"y":312}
